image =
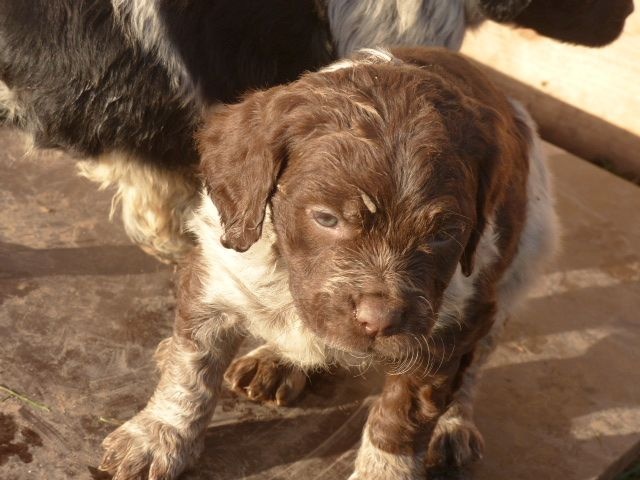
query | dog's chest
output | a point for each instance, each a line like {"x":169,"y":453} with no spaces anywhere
{"x":254,"y":287}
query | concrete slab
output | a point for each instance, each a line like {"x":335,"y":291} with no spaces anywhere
{"x":81,"y":311}
{"x":560,"y":398}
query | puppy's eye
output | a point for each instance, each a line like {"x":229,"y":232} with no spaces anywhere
{"x":442,"y":236}
{"x":446,"y":236}
{"x":325,"y":219}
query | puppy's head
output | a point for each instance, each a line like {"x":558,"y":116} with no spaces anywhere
{"x":585,"y":22}
{"x":380,"y":177}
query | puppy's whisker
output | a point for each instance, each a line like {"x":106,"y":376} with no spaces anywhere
{"x":453,"y":348}
{"x":431,"y":358}
{"x":456,"y":214}
{"x":453,"y":238}
{"x":427,"y":365}
{"x":441,"y":355}
{"x":406,"y":363}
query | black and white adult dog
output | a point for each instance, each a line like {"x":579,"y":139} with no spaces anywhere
{"x":124,"y":82}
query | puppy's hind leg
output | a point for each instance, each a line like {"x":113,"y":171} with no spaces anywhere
{"x":263,"y":375}
{"x":155,"y":202}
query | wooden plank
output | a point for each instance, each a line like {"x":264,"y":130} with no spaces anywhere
{"x":585,"y":100}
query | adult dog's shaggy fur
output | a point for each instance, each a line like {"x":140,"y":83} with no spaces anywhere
{"x":125,"y":81}
{"x":392,"y":208}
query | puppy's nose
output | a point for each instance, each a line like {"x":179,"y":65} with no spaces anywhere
{"x":378,"y":315}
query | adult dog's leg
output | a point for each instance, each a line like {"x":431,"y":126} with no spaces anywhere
{"x":155,"y":202}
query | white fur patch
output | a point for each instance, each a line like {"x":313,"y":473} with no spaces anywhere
{"x":9,"y":105}
{"x":375,"y":464}
{"x":539,"y":239}
{"x":461,"y":288}
{"x":366,"y":56}
{"x":155,"y":203}
{"x":169,"y":406}
{"x":369,"y":23}
{"x":254,"y":285}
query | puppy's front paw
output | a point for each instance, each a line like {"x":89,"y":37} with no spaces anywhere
{"x":456,"y":442}
{"x":401,"y":470}
{"x":449,"y":473}
{"x":373,"y":463}
{"x":263,"y":376}
{"x":386,"y":474}
{"x":143,"y":449}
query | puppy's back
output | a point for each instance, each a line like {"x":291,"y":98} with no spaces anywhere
{"x":457,"y":70}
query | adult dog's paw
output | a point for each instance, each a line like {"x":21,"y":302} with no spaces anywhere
{"x":263,"y":376}
{"x":456,"y":442}
{"x":146,"y":449}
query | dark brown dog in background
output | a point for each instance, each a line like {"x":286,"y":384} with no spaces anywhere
{"x":122,"y":83}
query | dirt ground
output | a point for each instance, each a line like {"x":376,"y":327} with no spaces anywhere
{"x":81,"y":311}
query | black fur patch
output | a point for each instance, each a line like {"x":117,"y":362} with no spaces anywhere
{"x":84,"y":87}
{"x":231,"y":46}
{"x":503,"y":10}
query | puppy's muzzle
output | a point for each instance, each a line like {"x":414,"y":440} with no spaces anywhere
{"x":378,"y":315}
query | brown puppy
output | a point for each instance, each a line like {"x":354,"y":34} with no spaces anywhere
{"x":391,"y":208}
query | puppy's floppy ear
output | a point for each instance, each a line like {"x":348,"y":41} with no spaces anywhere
{"x":502,"y":10}
{"x":592,"y":23}
{"x":242,"y":151}
{"x":499,"y":144}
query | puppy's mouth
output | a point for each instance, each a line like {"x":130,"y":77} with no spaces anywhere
{"x":403,"y":353}
{"x":340,"y":329}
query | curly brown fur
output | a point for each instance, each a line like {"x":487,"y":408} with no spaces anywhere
{"x":391,"y":208}
{"x":106,"y":78}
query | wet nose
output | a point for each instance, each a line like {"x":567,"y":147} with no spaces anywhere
{"x":378,"y":315}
